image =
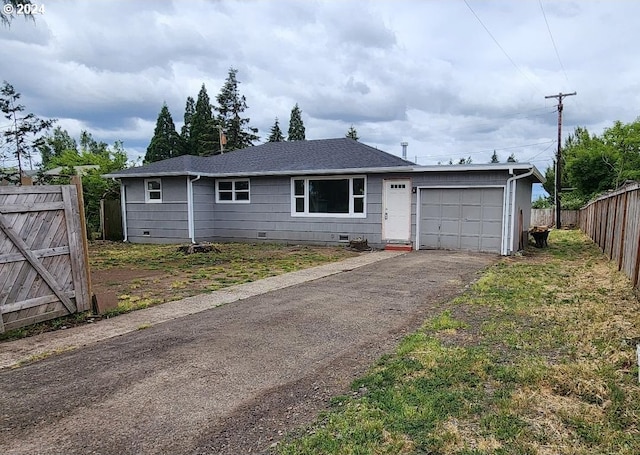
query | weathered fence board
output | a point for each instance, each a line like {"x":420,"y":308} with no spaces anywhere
{"x":43,"y":265}
{"x":547,"y":217}
{"x":613,"y":222}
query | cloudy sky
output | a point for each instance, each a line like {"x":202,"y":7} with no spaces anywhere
{"x":453,"y":78}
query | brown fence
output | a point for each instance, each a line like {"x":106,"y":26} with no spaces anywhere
{"x":43,"y":264}
{"x":547,"y":217}
{"x":111,"y":219}
{"x":613,"y":222}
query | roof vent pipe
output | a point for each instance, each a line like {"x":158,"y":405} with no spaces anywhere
{"x":404,"y":149}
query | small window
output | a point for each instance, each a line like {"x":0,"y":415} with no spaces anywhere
{"x":232,"y":191}
{"x":153,"y":190}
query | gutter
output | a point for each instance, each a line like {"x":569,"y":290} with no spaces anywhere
{"x":345,"y":171}
{"x":190,"y":215}
{"x":510,"y":192}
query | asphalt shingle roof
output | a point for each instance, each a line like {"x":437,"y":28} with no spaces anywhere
{"x":274,"y":157}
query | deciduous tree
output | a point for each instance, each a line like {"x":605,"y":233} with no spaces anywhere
{"x":54,"y":144}
{"x":95,"y":187}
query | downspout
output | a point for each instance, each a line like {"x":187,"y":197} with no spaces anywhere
{"x":190,"y":215}
{"x":512,"y":182}
{"x":123,"y":209}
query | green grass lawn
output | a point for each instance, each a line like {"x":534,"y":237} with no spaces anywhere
{"x":537,"y":357}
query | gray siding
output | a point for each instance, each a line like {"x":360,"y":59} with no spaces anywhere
{"x":269,"y":215}
{"x":204,"y":197}
{"x":524,"y":188}
{"x":164,"y":222}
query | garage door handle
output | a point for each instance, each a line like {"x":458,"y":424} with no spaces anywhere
{"x":386,"y":216}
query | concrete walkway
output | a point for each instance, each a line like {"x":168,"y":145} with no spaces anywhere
{"x":15,"y":353}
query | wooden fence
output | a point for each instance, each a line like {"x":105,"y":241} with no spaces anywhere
{"x":111,"y":220}
{"x":547,"y":217}
{"x":613,"y":222}
{"x":43,"y":261}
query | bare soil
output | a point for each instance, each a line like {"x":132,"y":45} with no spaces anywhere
{"x":230,"y":380}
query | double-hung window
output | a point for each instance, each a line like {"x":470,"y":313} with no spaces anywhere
{"x":329,"y":196}
{"x":152,"y":190}
{"x":232,"y":190}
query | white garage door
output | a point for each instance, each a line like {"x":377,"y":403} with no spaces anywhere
{"x":461,"y":219}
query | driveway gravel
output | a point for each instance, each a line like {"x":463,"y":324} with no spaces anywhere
{"x":228,"y":379}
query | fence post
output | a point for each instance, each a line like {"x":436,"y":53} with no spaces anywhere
{"x":77,"y":181}
{"x":623,"y":230}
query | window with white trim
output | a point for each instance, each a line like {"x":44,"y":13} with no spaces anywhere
{"x":328,"y":196}
{"x":232,"y":190}
{"x":153,"y":190}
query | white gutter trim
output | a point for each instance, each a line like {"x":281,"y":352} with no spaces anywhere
{"x":190,"y":215}
{"x":123,"y":209}
{"x":364,"y":170}
{"x":508,"y":239}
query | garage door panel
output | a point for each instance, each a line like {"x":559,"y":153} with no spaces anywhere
{"x":492,"y":213}
{"x":461,"y":218}
{"x":470,"y":212}
{"x":469,"y":242}
{"x":471,"y":197}
{"x":471,"y":228}
{"x":450,"y":211}
{"x":450,"y":227}
{"x":449,"y":242}
{"x":450,"y":197}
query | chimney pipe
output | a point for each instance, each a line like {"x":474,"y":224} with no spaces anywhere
{"x":404,"y":149}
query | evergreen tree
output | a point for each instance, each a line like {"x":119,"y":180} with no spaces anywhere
{"x":230,"y":107}
{"x":494,"y":158}
{"x":352,"y":134}
{"x":205,"y":139}
{"x":512,"y":159}
{"x":276,"y":133}
{"x":296,"y":126}
{"x":185,"y":132}
{"x":165,"y":142}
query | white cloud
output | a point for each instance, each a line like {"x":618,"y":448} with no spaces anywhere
{"x":425,"y":72}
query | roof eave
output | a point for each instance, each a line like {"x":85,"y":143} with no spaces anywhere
{"x":511,"y":167}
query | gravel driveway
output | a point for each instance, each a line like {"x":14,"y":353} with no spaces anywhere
{"x":232,"y":379}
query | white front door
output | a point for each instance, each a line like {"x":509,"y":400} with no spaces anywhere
{"x":396,"y":210}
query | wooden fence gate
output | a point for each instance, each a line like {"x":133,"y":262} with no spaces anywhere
{"x":43,"y":265}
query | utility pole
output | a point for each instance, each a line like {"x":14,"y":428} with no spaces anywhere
{"x":558,"y":180}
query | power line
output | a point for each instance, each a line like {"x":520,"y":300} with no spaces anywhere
{"x":530,"y":160}
{"x":489,"y":150}
{"x":501,"y":48}
{"x":555,"y":48}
